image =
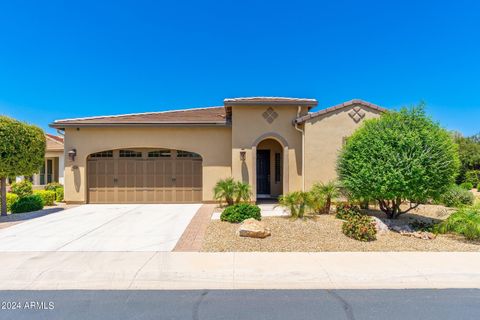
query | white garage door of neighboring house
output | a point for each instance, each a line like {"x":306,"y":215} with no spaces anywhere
{"x":144,"y":176}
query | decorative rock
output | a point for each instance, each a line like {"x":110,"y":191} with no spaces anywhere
{"x":253,"y":228}
{"x":424,"y":235}
{"x":402,"y":229}
{"x":380,"y":226}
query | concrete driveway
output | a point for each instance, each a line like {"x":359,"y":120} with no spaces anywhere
{"x":149,"y":227}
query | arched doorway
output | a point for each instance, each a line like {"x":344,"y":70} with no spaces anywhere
{"x":137,"y":175}
{"x":269,"y":169}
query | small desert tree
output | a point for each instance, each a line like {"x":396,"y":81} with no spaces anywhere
{"x":401,"y":156}
{"x":22,"y":150}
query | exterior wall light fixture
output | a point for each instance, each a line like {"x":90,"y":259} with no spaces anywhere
{"x":242,"y":155}
{"x":72,"y":154}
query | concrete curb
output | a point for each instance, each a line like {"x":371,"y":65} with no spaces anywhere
{"x":189,"y":270}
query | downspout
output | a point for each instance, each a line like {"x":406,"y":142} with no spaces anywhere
{"x":303,"y":146}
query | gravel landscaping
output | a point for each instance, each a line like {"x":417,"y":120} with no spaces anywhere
{"x":323,"y":233}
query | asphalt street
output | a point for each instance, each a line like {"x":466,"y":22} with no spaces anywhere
{"x":422,"y":304}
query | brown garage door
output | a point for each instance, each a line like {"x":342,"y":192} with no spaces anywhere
{"x":144,"y":176}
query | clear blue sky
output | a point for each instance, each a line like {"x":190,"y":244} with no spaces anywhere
{"x":64,"y":59}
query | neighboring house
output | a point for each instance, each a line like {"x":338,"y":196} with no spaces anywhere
{"x":53,"y":168}
{"x":275,"y":144}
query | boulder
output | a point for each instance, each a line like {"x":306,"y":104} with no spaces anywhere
{"x":253,"y":228}
{"x":380,"y":226}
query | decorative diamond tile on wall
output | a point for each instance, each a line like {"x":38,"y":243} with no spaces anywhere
{"x":270,"y":115}
{"x":356,"y":114}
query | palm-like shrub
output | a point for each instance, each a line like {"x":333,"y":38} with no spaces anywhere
{"x":401,"y":156}
{"x":465,"y":221}
{"x":297,"y":203}
{"x":230,"y":191}
{"x":243,"y":192}
{"x":326,"y":192}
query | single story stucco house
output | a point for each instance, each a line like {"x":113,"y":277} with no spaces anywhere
{"x":275,"y":144}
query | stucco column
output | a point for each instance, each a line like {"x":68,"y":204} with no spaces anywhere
{"x":45,"y":179}
{"x":254,"y":173}
{"x":36,"y":179}
{"x":61,"y":169}
{"x":285,"y":170}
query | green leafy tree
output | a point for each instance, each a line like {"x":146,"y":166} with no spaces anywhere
{"x":469,"y":153}
{"x":401,"y":156}
{"x":22,"y":151}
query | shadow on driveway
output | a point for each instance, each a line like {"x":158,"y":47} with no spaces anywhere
{"x":15,"y":218}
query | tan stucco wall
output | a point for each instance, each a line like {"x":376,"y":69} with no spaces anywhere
{"x":248,"y":125}
{"x":213,"y":144}
{"x":324,"y":137}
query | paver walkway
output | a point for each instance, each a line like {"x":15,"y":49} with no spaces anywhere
{"x":192,"y":237}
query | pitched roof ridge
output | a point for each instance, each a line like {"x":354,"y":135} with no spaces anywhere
{"x":348,"y":103}
{"x":54,"y":138}
{"x":135,"y":114}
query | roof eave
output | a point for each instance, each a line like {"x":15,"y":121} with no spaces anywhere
{"x":276,"y":103}
{"x":138,"y":124}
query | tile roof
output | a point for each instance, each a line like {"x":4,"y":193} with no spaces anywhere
{"x":270,"y":100}
{"x":212,"y":115}
{"x":350,"y":103}
{"x":54,"y":143}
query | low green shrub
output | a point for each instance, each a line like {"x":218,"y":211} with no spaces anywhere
{"x":11,"y":199}
{"x":473,"y":177}
{"x":457,"y":196}
{"x":360,"y":228}
{"x":47,"y":196}
{"x":27,"y":204}
{"x":53,"y":186}
{"x":59,"y":194}
{"x":239,"y":212}
{"x":345,"y":211}
{"x":467,"y":186}
{"x":22,"y":189}
{"x":465,"y":221}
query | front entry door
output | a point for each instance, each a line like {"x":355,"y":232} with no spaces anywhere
{"x":263,"y":172}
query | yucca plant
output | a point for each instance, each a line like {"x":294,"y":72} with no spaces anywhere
{"x":326,"y":191}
